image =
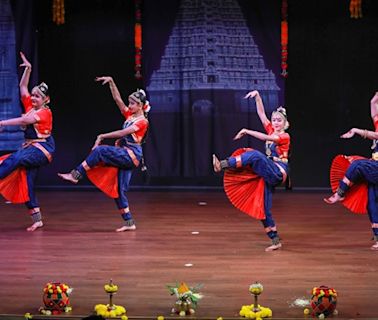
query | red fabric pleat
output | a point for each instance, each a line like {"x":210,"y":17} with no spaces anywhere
{"x":106,"y":179}
{"x":245,"y":189}
{"x":356,"y":198}
{"x":14,"y":187}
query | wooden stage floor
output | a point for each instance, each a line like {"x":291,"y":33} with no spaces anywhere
{"x":323,"y":245}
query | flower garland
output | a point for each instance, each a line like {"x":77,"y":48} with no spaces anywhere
{"x":58,"y":12}
{"x":138,"y":40}
{"x":323,"y":291}
{"x":284,"y":39}
{"x":247,"y":312}
{"x":108,"y":311}
{"x":355,"y":8}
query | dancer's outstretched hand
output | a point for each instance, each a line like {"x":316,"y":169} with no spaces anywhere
{"x":104,"y":79}
{"x":348,"y":134}
{"x":97,"y":142}
{"x":251,"y":94}
{"x":25,"y":62}
{"x":240,"y":134}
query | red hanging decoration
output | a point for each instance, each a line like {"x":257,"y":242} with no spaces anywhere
{"x":284,"y":39}
{"x":58,"y":12}
{"x":355,"y":8}
{"x":138,"y":39}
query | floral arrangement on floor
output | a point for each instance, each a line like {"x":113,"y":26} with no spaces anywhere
{"x":56,"y":298}
{"x":187,"y":298}
{"x":255,"y":311}
{"x":323,"y":302}
{"x":110,"y":310}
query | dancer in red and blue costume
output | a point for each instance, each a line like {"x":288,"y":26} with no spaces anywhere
{"x":361,"y":171}
{"x":110,"y":167}
{"x":18,"y":171}
{"x":271,"y":169}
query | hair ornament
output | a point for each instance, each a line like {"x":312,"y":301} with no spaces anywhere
{"x":147,"y":107}
{"x":282,"y":110}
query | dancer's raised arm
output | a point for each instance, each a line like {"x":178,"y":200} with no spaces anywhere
{"x":259,"y":105}
{"x":374,"y":107}
{"x":24,"y":82}
{"x":114,"y":90}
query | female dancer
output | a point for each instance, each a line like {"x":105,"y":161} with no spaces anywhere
{"x":361,"y":171}
{"x":110,"y":167}
{"x":36,"y":151}
{"x":270,"y":169}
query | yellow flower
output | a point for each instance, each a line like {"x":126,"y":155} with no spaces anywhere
{"x":110,"y":288}
{"x":247,"y":312}
{"x":306,"y":311}
{"x":183,"y":288}
{"x":124,"y":318}
{"x":102,"y":310}
{"x":219,"y":318}
{"x":256,"y":288}
{"x":28,"y":315}
{"x":68,"y":309}
{"x":160,"y":318}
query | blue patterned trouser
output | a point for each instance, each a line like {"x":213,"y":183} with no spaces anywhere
{"x":366,"y":170}
{"x":31,"y":158}
{"x":268,"y":170}
{"x":115,"y":157}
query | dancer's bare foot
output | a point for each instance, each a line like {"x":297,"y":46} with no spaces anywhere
{"x":274,"y":247}
{"x":216,"y":164}
{"x":126,"y":228}
{"x":68,"y":177}
{"x":35,"y":226}
{"x":374,"y":246}
{"x":333,"y":199}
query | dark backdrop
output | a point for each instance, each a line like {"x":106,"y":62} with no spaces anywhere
{"x":332,"y":76}
{"x":333,"y":69}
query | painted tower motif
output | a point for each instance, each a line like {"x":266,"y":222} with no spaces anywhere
{"x":211,"y":61}
{"x":11,"y":137}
